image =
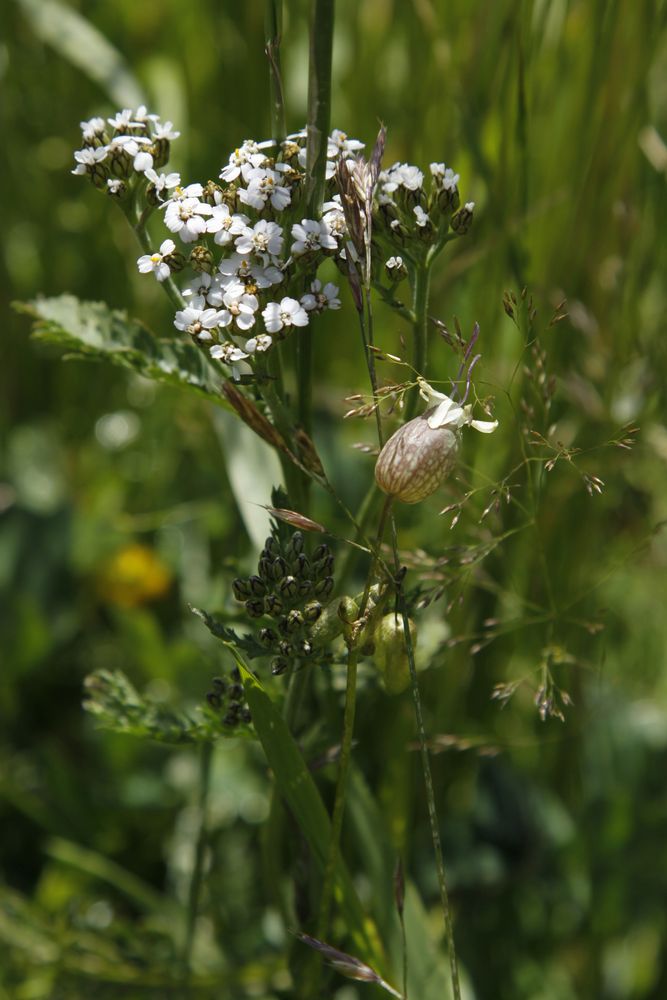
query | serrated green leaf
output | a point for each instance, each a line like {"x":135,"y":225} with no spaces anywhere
{"x":247,"y":643}
{"x":118,"y":706}
{"x":94,"y":332}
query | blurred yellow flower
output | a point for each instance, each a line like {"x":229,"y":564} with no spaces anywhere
{"x":132,"y":576}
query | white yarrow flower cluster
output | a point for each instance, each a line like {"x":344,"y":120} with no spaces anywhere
{"x":123,"y":146}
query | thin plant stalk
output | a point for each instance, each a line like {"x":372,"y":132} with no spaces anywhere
{"x":319,"y":102}
{"x":420,"y":331}
{"x":196,"y":878}
{"x":273,"y":22}
{"x":317,"y":135}
{"x":428,"y":779}
{"x":345,"y":758}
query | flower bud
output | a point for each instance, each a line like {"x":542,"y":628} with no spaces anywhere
{"x":201,"y":259}
{"x":391,"y":655}
{"x":416,"y":459}
{"x":461,"y":221}
{"x":241,"y":589}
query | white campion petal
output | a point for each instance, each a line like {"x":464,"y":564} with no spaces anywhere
{"x":448,"y":413}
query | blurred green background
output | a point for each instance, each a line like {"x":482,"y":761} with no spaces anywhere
{"x":116,"y":509}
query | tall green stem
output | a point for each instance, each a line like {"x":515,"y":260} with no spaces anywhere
{"x":273,"y":22}
{"x":200,"y":850}
{"x":420,"y":329}
{"x":319,"y":125}
{"x":319,"y":102}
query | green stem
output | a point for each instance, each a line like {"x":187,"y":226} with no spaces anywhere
{"x":428,"y":782}
{"x":339,"y":802}
{"x":273,"y":22}
{"x":319,"y":103}
{"x":420,"y":327}
{"x":200,"y":850}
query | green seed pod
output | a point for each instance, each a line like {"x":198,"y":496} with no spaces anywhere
{"x":391,"y":656}
{"x":305,"y":588}
{"x":333,"y":619}
{"x":416,"y":459}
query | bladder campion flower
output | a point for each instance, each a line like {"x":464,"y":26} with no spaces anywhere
{"x":417,"y":458}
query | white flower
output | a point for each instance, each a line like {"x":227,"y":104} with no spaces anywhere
{"x":319,"y":298}
{"x":240,"y":307}
{"x":228,"y":353}
{"x":310,"y":236}
{"x":339,"y":144}
{"x":165,"y":130}
{"x":394,"y":263}
{"x":92,"y":129}
{"x":243,"y":159}
{"x":115,"y":185}
{"x":89,"y":157}
{"x":237,"y":267}
{"x":401,"y":175}
{"x":334,"y":218}
{"x":262,"y":238}
{"x":258,"y":344}
{"x":198,"y":322}
{"x":162,"y":182}
{"x":141,"y":115}
{"x":448,"y":413}
{"x":263,"y":186}
{"x":186,"y":217}
{"x":123,"y":120}
{"x":132,"y":145}
{"x":196,"y":292}
{"x":156,"y":262}
{"x":422,"y":216}
{"x":443,"y":177}
{"x":181,"y":193}
{"x":224,"y":225}
{"x":287,"y":312}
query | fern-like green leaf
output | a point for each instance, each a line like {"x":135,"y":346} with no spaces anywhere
{"x":92,"y":331}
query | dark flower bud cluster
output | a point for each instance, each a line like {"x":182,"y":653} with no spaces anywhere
{"x":227,"y":698}
{"x":288,"y":592}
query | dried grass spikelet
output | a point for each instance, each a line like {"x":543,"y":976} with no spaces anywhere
{"x":416,"y":459}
